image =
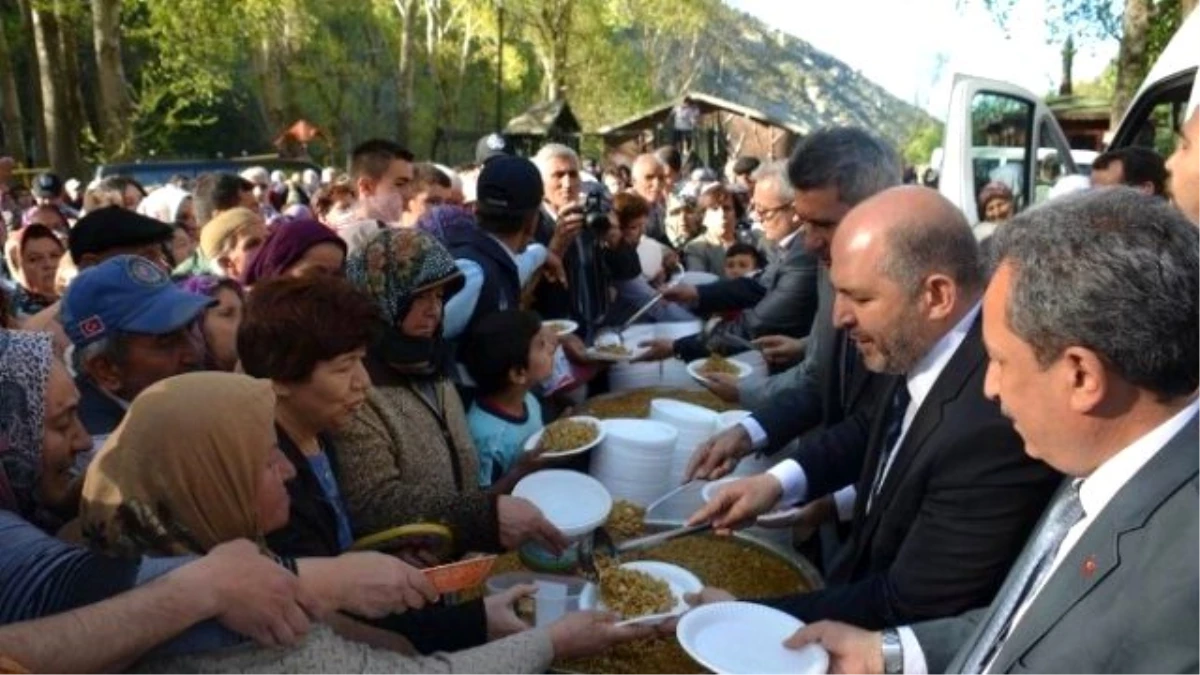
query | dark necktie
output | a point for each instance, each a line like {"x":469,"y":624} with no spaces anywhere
{"x":895,"y":422}
{"x":1027,"y":576}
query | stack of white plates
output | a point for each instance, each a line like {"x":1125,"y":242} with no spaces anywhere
{"x":694,"y":424}
{"x":666,"y":373}
{"x":634,"y":460}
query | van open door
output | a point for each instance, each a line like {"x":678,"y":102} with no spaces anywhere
{"x":999,"y":132}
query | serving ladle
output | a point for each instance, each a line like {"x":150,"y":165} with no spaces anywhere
{"x":600,"y":542}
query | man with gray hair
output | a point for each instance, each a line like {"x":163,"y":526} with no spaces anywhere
{"x":780,"y":301}
{"x":1090,"y":322}
{"x":650,"y":181}
{"x":945,"y":494}
{"x":561,"y":229}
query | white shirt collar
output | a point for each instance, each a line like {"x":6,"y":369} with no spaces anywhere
{"x":786,"y":242}
{"x":925,"y":374}
{"x":1098,"y":489}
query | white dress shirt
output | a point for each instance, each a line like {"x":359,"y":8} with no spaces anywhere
{"x":920,"y":381}
{"x":1095,"y":492}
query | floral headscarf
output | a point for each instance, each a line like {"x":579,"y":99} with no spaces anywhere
{"x":25,"y":360}
{"x":180,"y":474}
{"x":397,"y":265}
{"x":393,"y":268}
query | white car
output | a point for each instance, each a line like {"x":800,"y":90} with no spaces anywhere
{"x":994,"y":129}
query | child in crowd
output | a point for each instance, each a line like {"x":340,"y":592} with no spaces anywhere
{"x":509,"y":354}
{"x":742,"y":260}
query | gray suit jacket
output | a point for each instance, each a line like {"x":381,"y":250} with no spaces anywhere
{"x":1122,"y":601}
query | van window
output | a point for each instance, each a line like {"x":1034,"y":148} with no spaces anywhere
{"x":1157,"y":114}
{"x":1050,"y":163}
{"x":1001,"y":139}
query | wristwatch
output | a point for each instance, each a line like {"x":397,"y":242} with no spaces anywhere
{"x":893,"y":652}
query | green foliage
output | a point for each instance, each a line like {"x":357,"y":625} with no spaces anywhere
{"x":922,"y":143}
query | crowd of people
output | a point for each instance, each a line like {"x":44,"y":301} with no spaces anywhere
{"x":210,"y":391}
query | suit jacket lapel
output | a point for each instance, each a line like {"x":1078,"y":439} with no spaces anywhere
{"x":949,"y":386}
{"x":1129,"y":510}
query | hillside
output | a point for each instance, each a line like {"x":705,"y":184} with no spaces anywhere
{"x":743,"y":60}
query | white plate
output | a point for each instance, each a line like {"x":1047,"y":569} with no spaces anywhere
{"x":573,"y":502}
{"x":678,"y":579}
{"x":695,"y":278}
{"x":693,"y":369}
{"x":742,"y":637}
{"x":561,"y":327}
{"x":533,"y":440}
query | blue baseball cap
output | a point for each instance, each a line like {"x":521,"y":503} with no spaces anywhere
{"x":127,"y":294}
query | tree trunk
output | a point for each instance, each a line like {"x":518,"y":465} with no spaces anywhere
{"x":115,"y":106}
{"x":10,"y":114}
{"x":62,"y":139}
{"x":1131,"y":57}
{"x":1185,"y":9}
{"x":404,"y":70}
{"x":72,"y":83}
{"x":41,"y":148}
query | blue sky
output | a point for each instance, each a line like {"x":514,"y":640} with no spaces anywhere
{"x":913,"y":47}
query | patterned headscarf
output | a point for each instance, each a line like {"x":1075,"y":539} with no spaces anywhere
{"x":393,"y":268}
{"x":397,"y":265}
{"x":181,"y":472}
{"x":25,"y":360}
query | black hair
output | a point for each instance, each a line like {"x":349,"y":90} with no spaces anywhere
{"x":499,"y":343}
{"x":1139,"y":165}
{"x":742,"y":248}
{"x":669,"y":155}
{"x":372,"y":158}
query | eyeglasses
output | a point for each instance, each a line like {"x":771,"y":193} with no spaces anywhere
{"x":767,"y":214}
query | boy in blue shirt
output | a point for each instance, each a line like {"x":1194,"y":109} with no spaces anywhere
{"x":509,"y":353}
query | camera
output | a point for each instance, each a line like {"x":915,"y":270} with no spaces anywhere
{"x":596,"y":209}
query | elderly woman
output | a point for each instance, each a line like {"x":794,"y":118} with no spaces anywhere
{"x":724,"y":226}
{"x":297,"y":248}
{"x":40,"y":434}
{"x":308,"y":336}
{"x":33,"y":255}
{"x":407,"y":456}
{"x":218,"y":326}
{"x":195,"y":464}
{"x":995,"y":202}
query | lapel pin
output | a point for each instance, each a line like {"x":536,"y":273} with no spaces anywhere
{"x":1089,"y":566}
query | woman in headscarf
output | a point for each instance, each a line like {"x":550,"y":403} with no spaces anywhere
{"x":995,"y":206}
{"x":174,"y":206}
{"x":296,"y":248}
{"x":308,"y":336}
{"x":218,"y":326}
{"x":195,"y":464}
{"x":407,"y":456}
{"x":33,"y":255}
{"x":40,"y":434}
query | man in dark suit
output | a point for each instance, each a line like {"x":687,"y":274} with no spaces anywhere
{"x":830,"y":172}
{"x":781,"y":300}
{"x":945,"y":493}
{"x":1101,"y":384}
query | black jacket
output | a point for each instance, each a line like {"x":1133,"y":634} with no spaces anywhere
{"x":501,"y":288}
{"x":781,"y":301}
{"x":953,"y":513}
{"x":312,"y":532}
{"x":585,"y":298}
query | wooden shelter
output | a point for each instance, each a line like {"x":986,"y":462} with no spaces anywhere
{"x":725,"y":130}
{"x":1084,"y":120}
{"x":545,"y":122}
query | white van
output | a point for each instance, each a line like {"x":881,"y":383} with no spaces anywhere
{"x":994,"y":129}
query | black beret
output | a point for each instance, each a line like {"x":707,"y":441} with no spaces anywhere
{"x":745,"y":165}
{"x":114,"y":227}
